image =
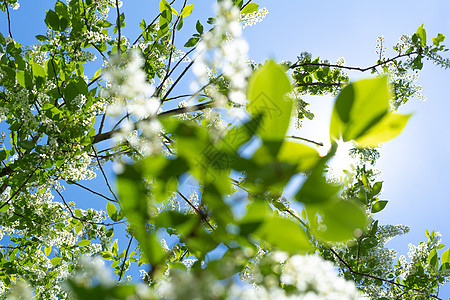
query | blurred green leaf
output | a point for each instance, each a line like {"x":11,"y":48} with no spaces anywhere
{"x":266,"y":94}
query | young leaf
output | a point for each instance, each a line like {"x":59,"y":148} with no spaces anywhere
{"x":187,"y":10}
{"x":111,"y":210}
{"x":55,"y":261}
{"x":47,"y":251}
{"x":83,"y":243}
{"x":249,"y":8}
{"x":445,"y":257}
{"x":379,"y":206}
{"x":376,"y":189}
{"x":422,"y":34}
{"x":390,"y":126}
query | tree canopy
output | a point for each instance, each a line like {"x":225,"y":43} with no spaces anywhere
{"x":204,"y":149}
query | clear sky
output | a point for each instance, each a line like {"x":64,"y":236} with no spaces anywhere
{"x":414,"y":165}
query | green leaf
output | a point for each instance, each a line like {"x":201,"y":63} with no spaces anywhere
{"x":4,"y":208}
{"x":379,"y":206}
{"x":422,"y":34}
{"x":376,"y":189}
{"x":38,"y":70}
{"x":439,"y":39}
{"x":27,"y":145}
{"x":180,"y":23}
{"x":358,"y":107}
{"x":285,"y":235}
{"x":433,"y":259}
{"x":191,"y":42}
{"x":316,"y":189}
{"x":135,"y":204}
{"x":266,"y":94}
{"x":55,"y":261}
{"x":390,"y":126}
{"x":163,"y":5}
{"x":445,"y":257}
{"x":298,"y":154}
{"x":52,"y":20}
{"x":199,"y":27}
{"x":111,"y":210}
{"x":336,"y":221}
{"x":187,"y":10}
{"x":75,"y":87}
{"x":83,"y":243}
{"x":97,"y":74}
{"x":78,"y":227}
{"x":249,"y":8}
{"x":47,"y":250}
{"x":24,"y":79}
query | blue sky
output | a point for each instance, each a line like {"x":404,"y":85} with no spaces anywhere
{"x":414,"y":165}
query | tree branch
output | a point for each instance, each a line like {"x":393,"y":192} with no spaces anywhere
{"x":9,"y":19}
{"x":353,"y":68}
{"x":125,"y":259}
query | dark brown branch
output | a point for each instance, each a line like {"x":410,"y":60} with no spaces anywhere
{"x":200,"y":213}
{"x":81,"y":220}
{"x":92,"y":191}
{"x":375,"y":277}
{"x":177,"y":81}
{"x":17,"y":191}
{"x":353,"y":68}
{"x":319,"y":84}
{"x":104,"y":175}
{"x":9,"y":19}
{"x":182,"y":110}
{"x":125,"y":259}
{"x":304,"y":139}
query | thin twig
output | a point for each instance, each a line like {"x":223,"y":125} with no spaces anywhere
{"x":81,"y":220}
{"x":125,"y":259}
{"x":353,"y":68}
{"x":199,"y":212}
{"x":148,"y":27}
{"x":92,"y":191}
{"x":18,"y":190}
{"x":375,"y":277}
{"x":104,"y":175}
{"x":304,"y":139}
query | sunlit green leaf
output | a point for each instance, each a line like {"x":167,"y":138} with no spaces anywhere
{"x":285,"y":235}
{"x":83,"y":243}
{"x":187,"y":10}
{"x":422,"y":34}
{"x":390,"y":126}
{"x":379,"y":206}
{"x":250,"y":8}
{"x":339,"y":220}
{"x":266,"y":94}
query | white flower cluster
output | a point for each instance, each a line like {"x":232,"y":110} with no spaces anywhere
{"x":254,"y":17}
{"x":229,"y":57}
{"x":78,"y":168}
{"x":14,"y":6}
{"x":387,"y":232}
{"x":312,"y":278}
{"x":132,"y":96}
